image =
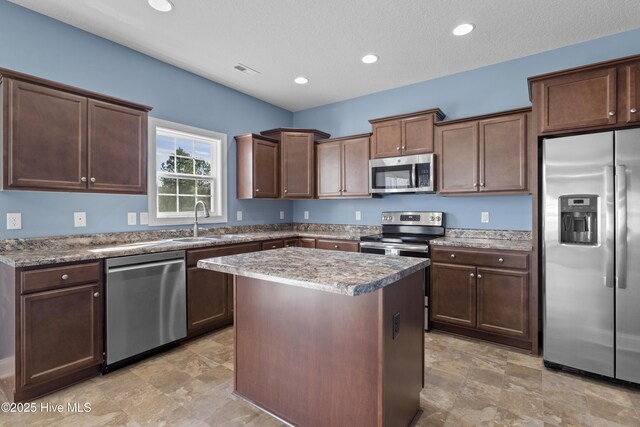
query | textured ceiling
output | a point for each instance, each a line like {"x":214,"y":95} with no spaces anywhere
{"x":324,"y":40}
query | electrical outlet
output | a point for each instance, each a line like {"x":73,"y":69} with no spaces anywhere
{"x":79,"y":219}
{"x":306,"y":214}
{"x":281,"y":214}
{"x":239,"y":216}
{"x":14,"y":221}
{"x":358,"y":216}
{"x":144,"y":218}
{"x":132,"y":218}
{"x":484,"y":217}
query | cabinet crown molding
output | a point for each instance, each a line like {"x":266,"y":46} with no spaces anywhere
{"x":438,"y":113}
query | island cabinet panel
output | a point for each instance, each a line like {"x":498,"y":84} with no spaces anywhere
{"x":458,"y":157}
{"x":45,"y":134}
{"x":292,"y":359}
{"x":210,"y":293}
{"x":633,"y":92}
{"x":61,"y":138}
{"x":117,"y":149}
{"x":258,"y":170}
{"x":338,"y":245}
{"x":484,"y":294}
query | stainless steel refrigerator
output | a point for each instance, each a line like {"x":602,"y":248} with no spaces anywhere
{"x":591,"y":253}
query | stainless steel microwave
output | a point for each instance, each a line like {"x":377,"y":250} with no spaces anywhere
{"x":406,"y":174}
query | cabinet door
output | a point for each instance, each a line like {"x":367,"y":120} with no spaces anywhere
{"x":297,"y":165}
{"x":417,"y":135}
{"x":386,"y":140}
{"x":306,"y":242}
{"x":453,"y":294}
{"x":579,"y":100}
{"x":633,"y":92}
{"x":355,"y":168}
{"x":46,"y":138}
{"x":265,"y":169}
{"x":329,"y":174}
{"x":503,"y":302}
{"x":61,"y":333}
{"x":458,"y":158}
{"x":117,"y":149}
{"x":207,"y":299}
{"x":503,"y":153}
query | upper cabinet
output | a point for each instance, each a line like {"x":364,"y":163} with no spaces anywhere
{"x":404,"y":134}
{"x":593,"y":97}
{"x":258,"y":167}
{"x":485,"y":154}
{"x":297,"y":160}
{"x":61,"y":138}
{"x":343,"y":167}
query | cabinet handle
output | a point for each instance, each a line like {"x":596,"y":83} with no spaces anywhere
{"x":500,"y":259}
{"x":273,"y":247}
{"x":397,"y":148}
{"x":93,"y":179}
{"x":403,"y":147}
{"x":612,"y":113}
{"x":65,"y":277}
{"x":257,"y":190}
{"x":83,"y":179}
{"x":479,"y":276}
{"x":344,"y":190}
{"x":482,"y":184}
{"x":96,"y":294}
{"x":285,"y":190}
{"x":475,"y":184}
{"x":472,"y":275}
{"x":336,"y":246}
{"x":634,"y":110}
{"x":453,"y":255}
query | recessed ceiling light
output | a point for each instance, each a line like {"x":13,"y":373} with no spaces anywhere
{"x":301,"y":80}
{"x":161,"y":5}
{"x":463,"y":29}
{"x":369,"y":59}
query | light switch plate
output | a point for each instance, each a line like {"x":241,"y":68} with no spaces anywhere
{"x":144,"y":218}
{"x":281,"y":214}
{"x":358,"y":216}
{"x":132,"y":218}
{"x":306,"y":214}
{"x":239,"y":216}
{"x":14,"y":221}
{"x":79,"y":219}
{"x":484,"y":217}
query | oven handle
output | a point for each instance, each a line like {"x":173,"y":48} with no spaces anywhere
{"x":386,"y":246}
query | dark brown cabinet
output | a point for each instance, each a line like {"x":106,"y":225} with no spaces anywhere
{"x":593,"y":97}
{"x":52,"y":323}
{"x":210,"y":293}
{"x":483,"y":155}
{"x":338,"y":245}
{"x":291,"y":243}
{"x":272,"y":244}
{"x":306,"y":242}
{"x":258,"y":167}
{"x":343,"y":167}
{"x":404,"y":134}
{"x":297,"y":161}
{"x":61,"y":138}
{"x":482,"y":293}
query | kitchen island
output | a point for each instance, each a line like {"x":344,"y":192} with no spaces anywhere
{"x":326,"y":337}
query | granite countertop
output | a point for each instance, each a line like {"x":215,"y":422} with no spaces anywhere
{"x":479,"y":243}
{"x":96,"y":249}
{"x":346,"y":273}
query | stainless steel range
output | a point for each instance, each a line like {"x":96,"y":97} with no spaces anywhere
{"x":407,"y":234}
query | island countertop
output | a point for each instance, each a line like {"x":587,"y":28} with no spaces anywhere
{"x":347,"y":273}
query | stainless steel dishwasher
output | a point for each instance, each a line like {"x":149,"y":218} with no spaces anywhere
{"x":146,"y":305}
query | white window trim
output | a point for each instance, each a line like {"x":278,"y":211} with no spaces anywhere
{"x":220,"y":184}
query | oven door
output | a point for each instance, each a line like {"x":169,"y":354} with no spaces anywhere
{"x":417,"y":251}
{"x":407,"y":174}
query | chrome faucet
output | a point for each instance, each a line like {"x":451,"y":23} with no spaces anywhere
{"x":195,"y":211}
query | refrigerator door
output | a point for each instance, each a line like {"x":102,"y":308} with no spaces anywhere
{"x":579,"y":278}
{"x":628,"y":255}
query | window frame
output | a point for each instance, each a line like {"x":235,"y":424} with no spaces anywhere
{"x":219,"y":184}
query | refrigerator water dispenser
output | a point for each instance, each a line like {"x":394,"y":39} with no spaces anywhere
{"x":579,"y":219}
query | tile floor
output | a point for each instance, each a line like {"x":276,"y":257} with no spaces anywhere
{"x":467,"y":383}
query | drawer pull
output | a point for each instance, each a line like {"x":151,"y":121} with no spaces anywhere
{"x":96,"y":294}
{"x":472,"y":275}
{"x":500,"y":259}
{"x":336,"y":246}
{"x":65,"y":276}
{"x":453,"y":255}
{"x":634,"y":110}
{"x":273,"y":247}
{"x":479,"y":276}
{"x":612,"y":113}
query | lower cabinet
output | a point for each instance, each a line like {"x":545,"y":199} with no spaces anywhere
{"x":272,"y":244}
{"x":307,"y":242}
{"x":483,"y":294}
{"x":291,"y":243}
{"x":338,"y":245}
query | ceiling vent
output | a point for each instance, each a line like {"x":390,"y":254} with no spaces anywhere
{"x":246,"y":70}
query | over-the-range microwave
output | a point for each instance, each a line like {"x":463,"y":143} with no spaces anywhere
{"x":406,"y":174}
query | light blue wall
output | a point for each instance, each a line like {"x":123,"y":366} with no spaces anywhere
{"x":35,"y":44}
{"x":484,"y":90}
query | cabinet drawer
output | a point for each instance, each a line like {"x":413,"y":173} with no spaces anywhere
{"x":196,"y":255}
{"x":291,"y":243}
{"x":481,"y":258}
{"x":59,"y":277}
{"x":337,"y":245}
{"x":272,"y":244}
{"x":306,"y":242}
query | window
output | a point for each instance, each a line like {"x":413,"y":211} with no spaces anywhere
{"x":186,"y":165}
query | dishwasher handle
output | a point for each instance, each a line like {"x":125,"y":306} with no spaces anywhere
{"x":145,"y":265}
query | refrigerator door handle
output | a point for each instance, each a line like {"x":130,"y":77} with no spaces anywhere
{"x":609,"y":227}
{"x":621,"y":227}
